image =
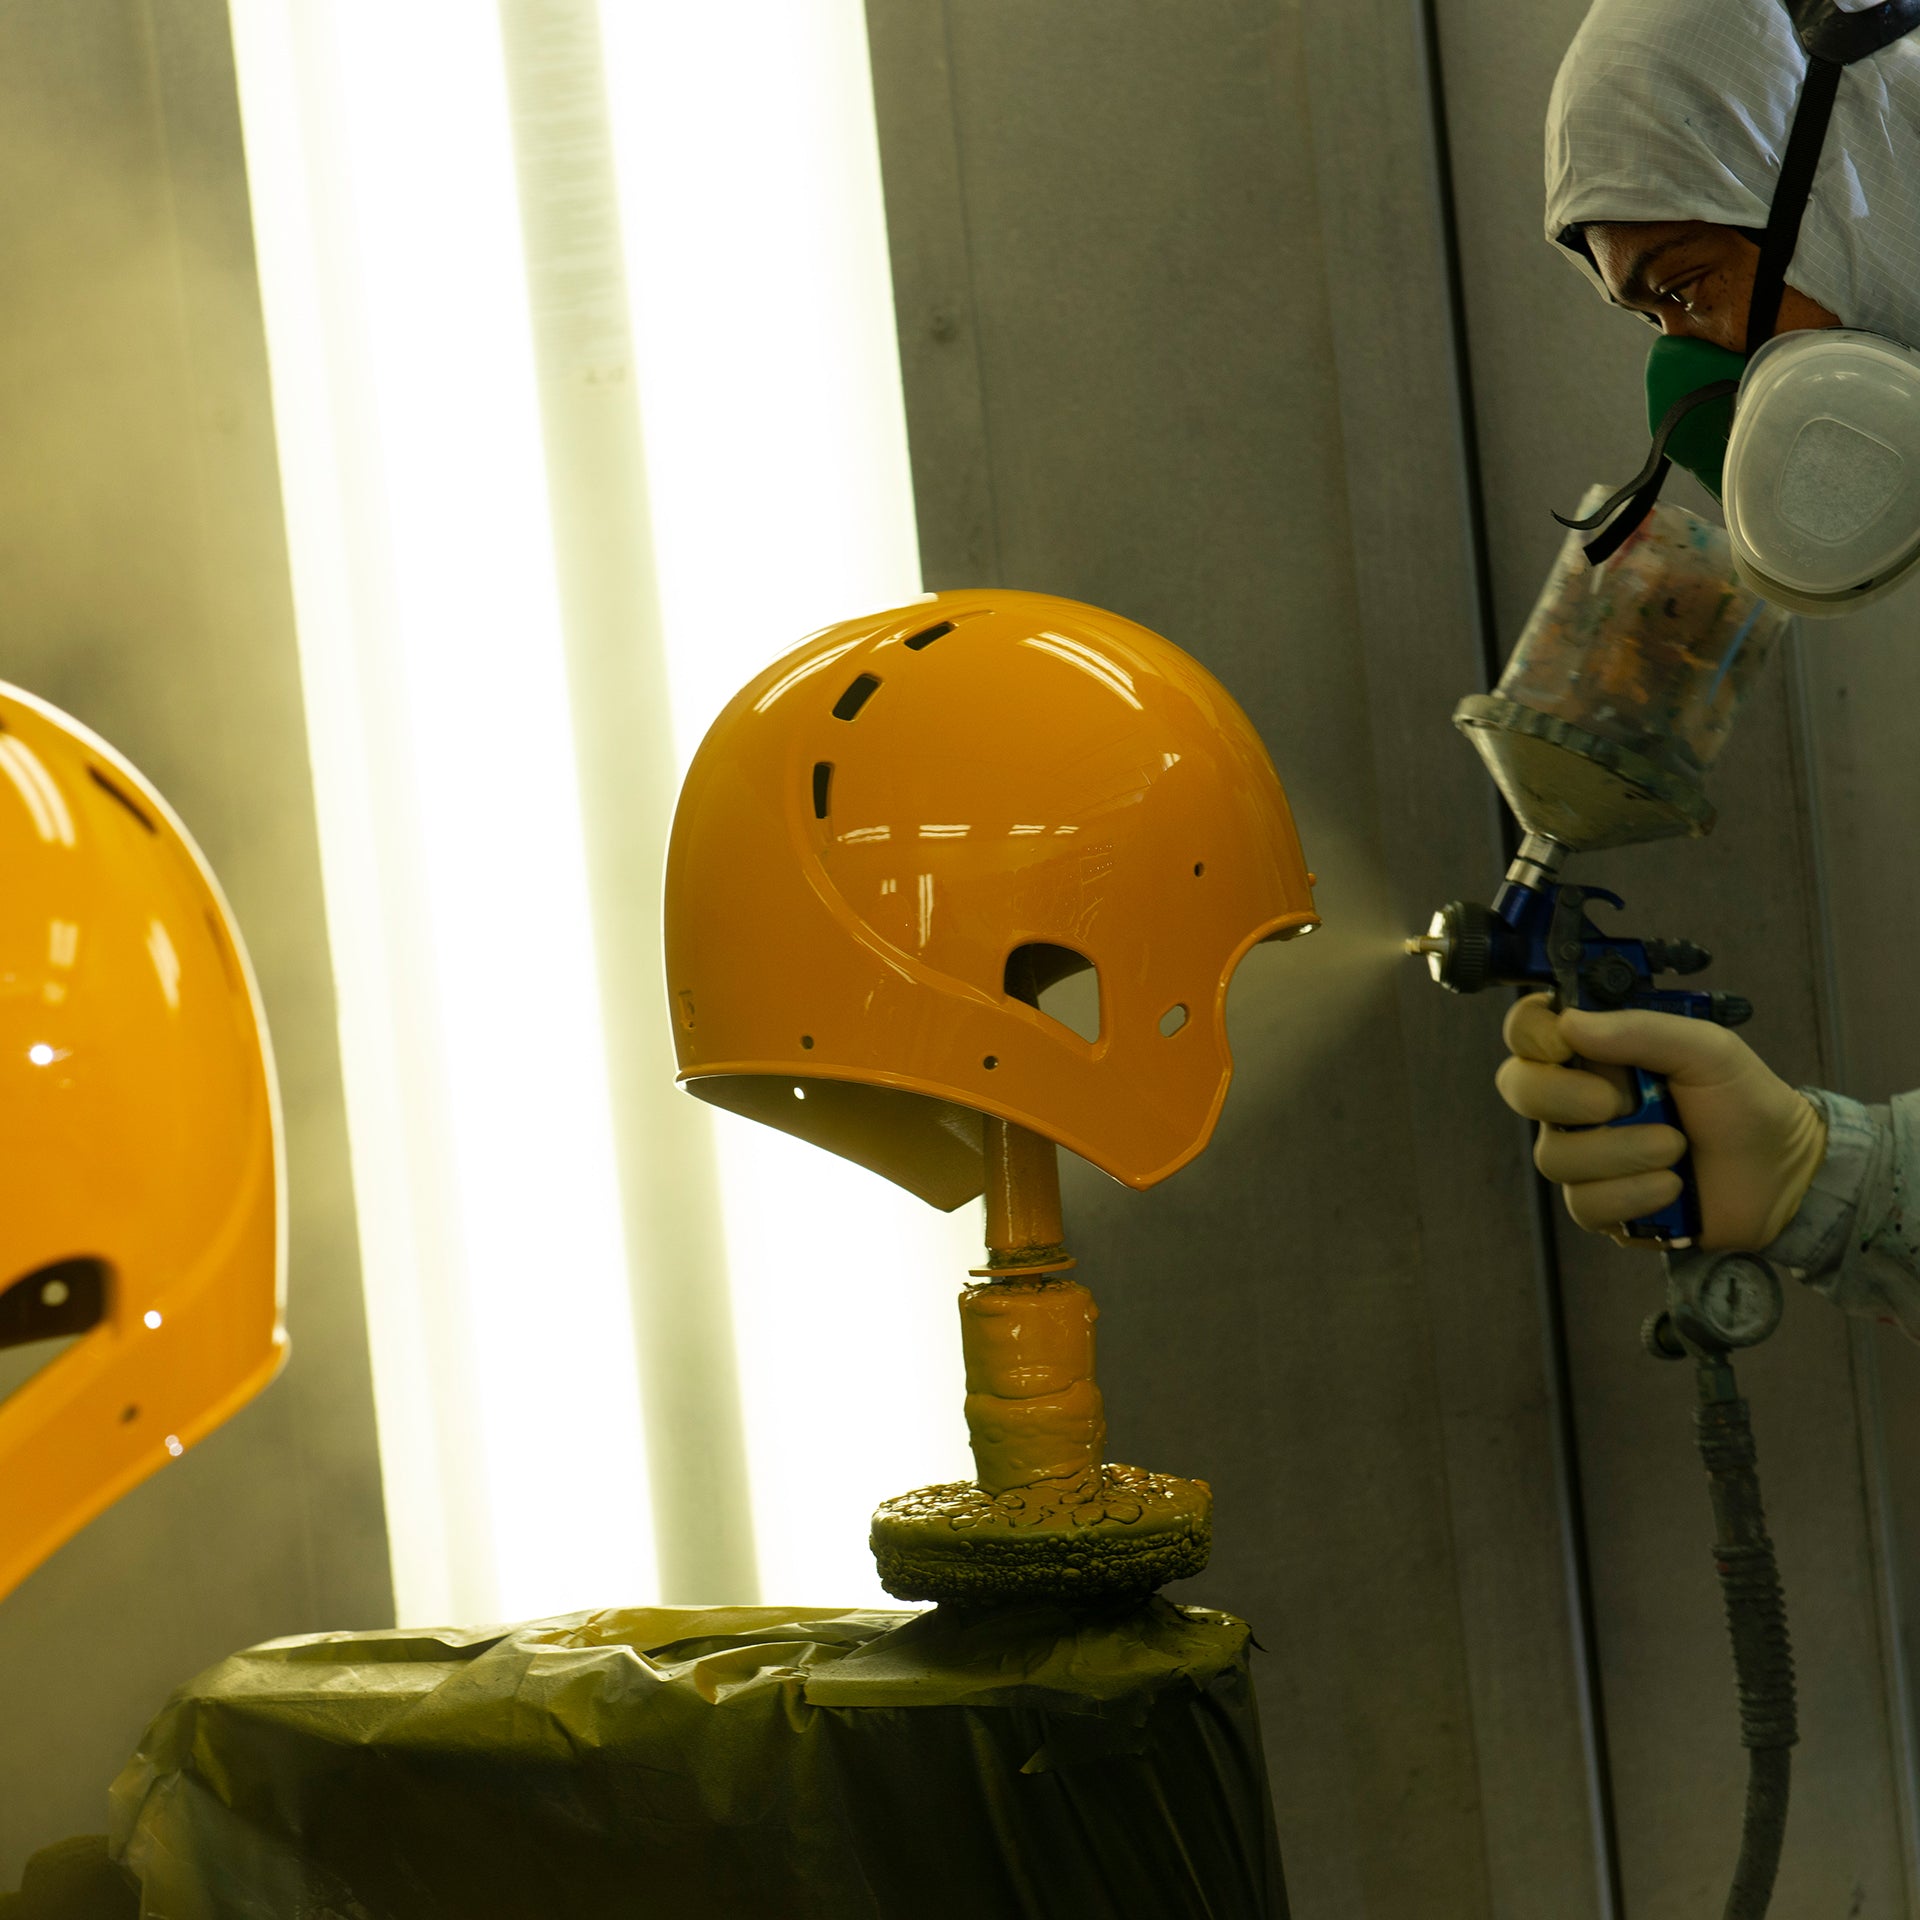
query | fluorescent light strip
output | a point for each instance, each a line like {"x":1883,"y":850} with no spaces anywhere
{"x":386,"y":225}
{"x":782,"y":502}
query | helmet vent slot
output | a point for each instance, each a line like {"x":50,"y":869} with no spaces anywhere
{"x":1172,"y":1021}
{"x":822,"y":788}
{"x":114,"y":790}
{"x":863,"y":688}
{"x":931,"y":634}
{"x":1058,"y":982}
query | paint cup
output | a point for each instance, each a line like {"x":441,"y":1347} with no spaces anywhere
{"x":1654,"y":649}
{"x":1624,"y":686}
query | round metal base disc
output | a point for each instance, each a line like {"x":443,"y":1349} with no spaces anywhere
{"x":1115,"y":1531}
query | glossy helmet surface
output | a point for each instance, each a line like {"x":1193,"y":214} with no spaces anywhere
{"x":900,"y":835}
{"x":140,"y":1213}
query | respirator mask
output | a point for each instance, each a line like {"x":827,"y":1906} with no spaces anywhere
{"x":1811,"y":440}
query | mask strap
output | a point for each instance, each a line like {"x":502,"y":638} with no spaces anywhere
{"x":1790,"y":197}
{"x":1634,"y":501}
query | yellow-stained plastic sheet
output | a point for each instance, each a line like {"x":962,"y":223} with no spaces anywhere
{"x":722,"y":1764}
{"x":72,"y":1880}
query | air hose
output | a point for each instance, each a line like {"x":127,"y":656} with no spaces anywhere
{"x":1715,"y":1305}
{"x":1757,"y":1624}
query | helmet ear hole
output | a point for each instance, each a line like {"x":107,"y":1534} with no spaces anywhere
{"x":43,"y":1312}
{"x":1058,"y":982}
{"x":67,"y":1297}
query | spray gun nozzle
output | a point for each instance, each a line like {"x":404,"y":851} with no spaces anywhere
{"x":1458,"y":946}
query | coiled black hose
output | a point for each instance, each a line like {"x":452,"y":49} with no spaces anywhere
{"x":1757,"y":1625}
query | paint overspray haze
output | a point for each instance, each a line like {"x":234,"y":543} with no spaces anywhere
{"x":1295,"y":1005}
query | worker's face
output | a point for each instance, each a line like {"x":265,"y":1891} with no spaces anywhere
{"x":1693,"y":278}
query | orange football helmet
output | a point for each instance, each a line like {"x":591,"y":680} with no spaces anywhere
{"x":900,"y":836}
{"x":140,"y":1181}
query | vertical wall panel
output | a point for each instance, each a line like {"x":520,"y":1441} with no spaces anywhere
{"x":1860,"y":680}
{"x":143,"y":587}
{"x":1411,"y":483}
{"x":1561,"y":404}
{"x":1160,"y":286}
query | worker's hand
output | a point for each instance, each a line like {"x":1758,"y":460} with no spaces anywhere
{"x":1756,"y":1142}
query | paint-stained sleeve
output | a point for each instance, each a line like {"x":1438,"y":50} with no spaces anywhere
{"x":1856,"y":1238}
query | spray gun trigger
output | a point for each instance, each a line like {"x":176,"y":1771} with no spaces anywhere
{"x":1563,"y":946}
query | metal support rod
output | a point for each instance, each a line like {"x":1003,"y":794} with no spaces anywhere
{"x":1023,"y":1192}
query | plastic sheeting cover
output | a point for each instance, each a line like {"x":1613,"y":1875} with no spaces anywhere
{"x":743,"y":1764}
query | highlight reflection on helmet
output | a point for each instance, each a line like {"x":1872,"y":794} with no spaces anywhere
{"x":901,"y":835}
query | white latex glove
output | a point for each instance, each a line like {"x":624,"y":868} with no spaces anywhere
{"x":1756,"y":1142}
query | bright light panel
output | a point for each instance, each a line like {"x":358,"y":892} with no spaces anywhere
{"x":776,"y":444}
{"x":386,"y":222}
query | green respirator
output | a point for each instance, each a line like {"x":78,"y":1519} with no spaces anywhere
{"x":1677,"y":368}
{"x":1812,"y":447}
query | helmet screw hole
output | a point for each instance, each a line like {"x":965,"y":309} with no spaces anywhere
{"x":1199,"y":867}
{"x":806,"y":1040}
{"x":991,"y":1061}
{"x":128,"y":1415}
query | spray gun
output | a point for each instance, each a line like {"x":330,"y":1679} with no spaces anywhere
{"x":1539,"y":933}
{"x":1615,"y":704}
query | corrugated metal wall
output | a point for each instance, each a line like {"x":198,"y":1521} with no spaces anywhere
{"x":143,"y":587}
{"x":1773,"y":893}
{"x":1233,"y":316}
{"x":1177,"y":290}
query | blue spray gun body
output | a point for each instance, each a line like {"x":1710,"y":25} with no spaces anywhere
{"x":1539,"y":933}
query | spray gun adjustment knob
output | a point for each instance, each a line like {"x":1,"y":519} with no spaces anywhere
{"x":1609,"y":981}
{"x":1677,"y":956}
{"x":1731,"y":1009}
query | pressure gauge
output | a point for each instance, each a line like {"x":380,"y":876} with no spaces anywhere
{"x":1723,"y":1299}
